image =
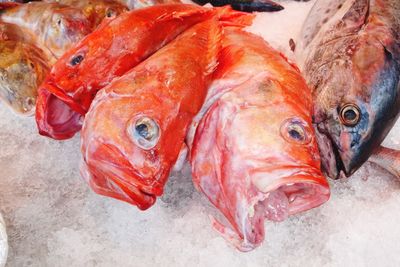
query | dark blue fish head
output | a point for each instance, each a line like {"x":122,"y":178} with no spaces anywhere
{"x":361,"y":115}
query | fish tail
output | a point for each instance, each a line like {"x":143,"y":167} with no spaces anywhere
{"x":229,"y":17}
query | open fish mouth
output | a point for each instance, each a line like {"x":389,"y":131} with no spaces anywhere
{"x":291,"y":196}
{"x":54,"y":118}
{"x":53,"y":88}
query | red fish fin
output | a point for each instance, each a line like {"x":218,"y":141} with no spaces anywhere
{"x":184,"y":14}
{"x":230,"y":17}
{"x":8,"y":5}
{"x":215,"y":35}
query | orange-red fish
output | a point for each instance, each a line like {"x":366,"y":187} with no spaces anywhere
{"x":109,"y":52}
{"x":254,"y":154}
{"x":136,"y":126}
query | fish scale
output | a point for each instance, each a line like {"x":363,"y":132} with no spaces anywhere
{"x":157,"y":98}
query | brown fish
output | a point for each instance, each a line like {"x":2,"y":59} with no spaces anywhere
{"x":95,"y":10}
{"x":56,"y":27}
{"x":23,"y":67}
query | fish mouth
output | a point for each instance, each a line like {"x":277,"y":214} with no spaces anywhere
{"x":275,"y":203}
{"x":58,"y":92}
{"x":111,"y":185}
{"x":332,"y":163}
{"x":54,"y":118}
{"x":113,"y":175}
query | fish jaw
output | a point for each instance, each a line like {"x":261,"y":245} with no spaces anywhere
{"x":114,"y":187}
{"x":54,"y":118}
{"x":287,"y":196}
{"x":109,"y":172}
{"x":58,"y":116}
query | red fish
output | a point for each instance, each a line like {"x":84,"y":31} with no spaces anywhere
{"x":136,"y":126}
{"x":109,"y":52}
{"x":254,"y":153}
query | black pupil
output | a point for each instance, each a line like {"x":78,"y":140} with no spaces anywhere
{"x":350,"y":115}
{"x":76,"y":60}
{"x":109,"y":13}
{"x":296,"y":135}
{"x":142,"y":130}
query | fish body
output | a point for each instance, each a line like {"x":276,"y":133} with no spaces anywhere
{"x":349,"y":52}
{"x":109,"y":52}
{"x":387,"y":158}
{"x":3,"y":243}
{"x":95,"y":10}
{"x":136,"y":4}
{"x":56,"y":27}
{"x":136,"y":126}
{"x":245,"y":5}
{"x":23,"y":67}
{"x":254,"y":154}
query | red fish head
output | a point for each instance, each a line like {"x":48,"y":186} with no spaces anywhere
{"x":255,"y":157}
{"x":64,"y":28}
{"x":128,"y":151}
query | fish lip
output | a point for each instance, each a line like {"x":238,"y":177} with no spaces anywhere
{"x":128,"y":175}
{"x":340,"y":168}
{"x":51,"y":86}
{"x":312,"y":179}
{"x":239,"y":236}
{"x":130,"y":196}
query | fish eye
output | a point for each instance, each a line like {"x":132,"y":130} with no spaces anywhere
{"x":76,"y":60}
{"x":110,"y":13}
{"x":295,"y":130}
{"x":350,"y":115}
{"x":145,"y":132}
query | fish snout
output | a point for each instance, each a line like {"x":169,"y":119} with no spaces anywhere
{"x":110,"y":186}
{"x":109,"y":172}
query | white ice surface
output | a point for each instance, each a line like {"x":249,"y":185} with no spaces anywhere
{"x":53,"y":218}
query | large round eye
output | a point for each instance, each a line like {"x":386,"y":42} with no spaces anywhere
{"x":295,"y":130}
{"x":110,"y":13}
{"x":145,"y":132}
{"x":76,"y":60}
{"x":350,"y":115}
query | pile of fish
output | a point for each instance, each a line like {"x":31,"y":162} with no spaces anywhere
{"x":154,"y":86}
